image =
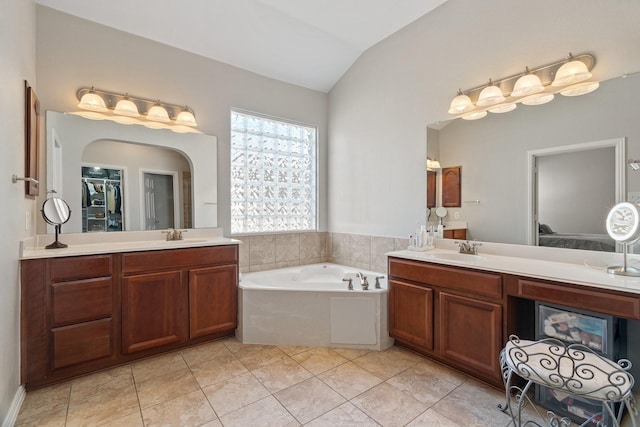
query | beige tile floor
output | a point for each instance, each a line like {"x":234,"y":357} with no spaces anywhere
{"x":226,"y":383}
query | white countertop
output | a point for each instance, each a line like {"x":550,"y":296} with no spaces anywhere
{"x":115,"y":242}
{"x":572,"y":266}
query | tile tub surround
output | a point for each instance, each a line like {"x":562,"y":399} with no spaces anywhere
{"x":271,"y":251}
{"x":226,"y":383}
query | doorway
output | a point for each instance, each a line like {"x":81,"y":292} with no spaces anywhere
{"x":571,"y":189}
{"x":161,"y":200}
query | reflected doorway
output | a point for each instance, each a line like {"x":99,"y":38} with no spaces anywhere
{"x":571,"y":189}
{"x":160,"y":200}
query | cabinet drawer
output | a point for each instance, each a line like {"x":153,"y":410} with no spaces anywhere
{"x":484,"y":284}
{"x":81,"y":300}
{"x":81,"y":343}
{"x":601,"y":302}
{"x":458,"y":233}
{"x":178,"y":258}
{"x":82,"y":267}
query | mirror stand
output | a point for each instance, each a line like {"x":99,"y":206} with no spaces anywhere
{"x":57,"y":244}
{"x":625,"y":269}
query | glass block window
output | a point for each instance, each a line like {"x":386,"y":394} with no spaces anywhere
{"x":273,"y":175}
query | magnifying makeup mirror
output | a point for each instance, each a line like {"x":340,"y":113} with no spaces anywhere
{"x":56,"y":212}
{"x":441,"y":212}
{"x":623,"y":225}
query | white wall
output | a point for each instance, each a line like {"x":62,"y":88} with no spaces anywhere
{"x":17,"y":44}
{"x":575,"y":188}
{"x":72,"y":53}
{"x":380,"y":108}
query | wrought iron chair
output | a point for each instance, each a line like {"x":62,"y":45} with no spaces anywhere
{"x":573,"y":369}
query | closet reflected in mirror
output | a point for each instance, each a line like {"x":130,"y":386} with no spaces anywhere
{"x":102,"y":207}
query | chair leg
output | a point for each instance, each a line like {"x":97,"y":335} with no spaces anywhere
{"x":630,"y":403}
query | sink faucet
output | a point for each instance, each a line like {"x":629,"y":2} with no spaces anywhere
{"x":467,"y":247}
{"x":173,"y":234}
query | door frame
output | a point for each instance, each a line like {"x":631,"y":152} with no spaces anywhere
{"x":532,"y":201}
{"x":176,"y":196}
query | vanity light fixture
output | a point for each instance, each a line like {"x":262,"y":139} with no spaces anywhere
{"x":536,"y":86}
{"x":460,"y":104}
{"x":490,"y":95}
{"x":503,"y":108}
{"x":128,"y":109}
{"x":537,"y":99}
{"x":91,"y":101}
{"x":474,"y":115}
{"x":186,"y":118}
{"x":634,"y":164}
{"x":580,"y":89}
{"x":432,"y":164}
{"x":157,"y":113}
{"x":573,"y":71}
{"x":528,"y":84}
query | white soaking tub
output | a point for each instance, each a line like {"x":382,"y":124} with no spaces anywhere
{"x":312,"y":306}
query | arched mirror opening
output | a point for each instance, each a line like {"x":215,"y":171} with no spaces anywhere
{"x":156,"y":181}
{"x":149,"y":178}
{"x":498,"y":203}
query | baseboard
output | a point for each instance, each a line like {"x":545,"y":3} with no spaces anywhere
{"x":14,"y":410}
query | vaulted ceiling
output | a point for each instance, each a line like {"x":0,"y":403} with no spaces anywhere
{"x":310,"y":43}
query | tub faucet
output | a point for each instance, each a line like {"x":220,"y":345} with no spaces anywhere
{"x":467,"y":247}
{"x":350,"y":285}
{"x":363,"y":280}
{"x":377,"y":286}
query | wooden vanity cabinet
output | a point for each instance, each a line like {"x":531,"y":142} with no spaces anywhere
{"x":84,"y":313}
{"x":451,"y":314}
{"x":70,"y":316}
{"x":176,"y":295}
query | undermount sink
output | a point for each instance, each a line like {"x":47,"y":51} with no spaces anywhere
{"x":181,"y":242}
{"x":455,"y":256}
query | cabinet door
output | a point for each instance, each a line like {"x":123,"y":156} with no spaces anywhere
{"x":471,"y":333}
{"x":411,"y":314}
{"x":451,"y":181}
{"x":154,"y":310}
{"x":213,"y":300}
{"x":431,"y":189}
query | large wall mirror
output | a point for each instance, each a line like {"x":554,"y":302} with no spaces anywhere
{"x":138,"y":160}
{"x":496,"y":154}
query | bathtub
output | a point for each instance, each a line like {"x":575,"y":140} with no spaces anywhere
{"x":311,"y":306}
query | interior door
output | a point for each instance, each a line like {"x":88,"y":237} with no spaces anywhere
{"x":159,"y":201}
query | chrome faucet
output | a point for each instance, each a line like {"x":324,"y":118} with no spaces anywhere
{"x":363,"y":280}
{"x":467,"y":247}
{"x":173,"y":234}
